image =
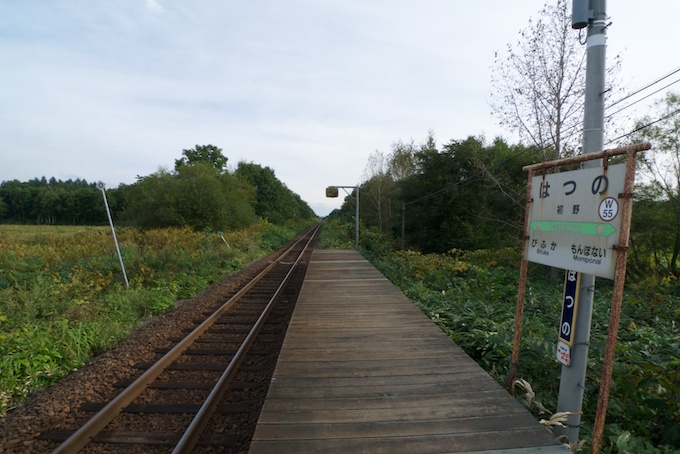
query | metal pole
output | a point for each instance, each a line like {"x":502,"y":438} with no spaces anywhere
{"x":356,"y":216}
{"x":572,"y":381}
{"x":101,"y":186}
{"x":356,"y":241}
{"x":617,"y":299}
{"x":519,"y":311}
{"x":403,"y":225}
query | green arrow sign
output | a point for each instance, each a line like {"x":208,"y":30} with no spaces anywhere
{"x":573,"y":228}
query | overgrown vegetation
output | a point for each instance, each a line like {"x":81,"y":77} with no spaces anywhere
{"x":471,"y":296}
{"x":461,"y":216}
{"x":458,"y":212}
{"x":63,"y":298}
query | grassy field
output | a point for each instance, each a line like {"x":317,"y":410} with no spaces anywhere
{"x":63,"y":296}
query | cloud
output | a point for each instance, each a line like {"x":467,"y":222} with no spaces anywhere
{"x":110,"y":90}
{"x":154,"y":6}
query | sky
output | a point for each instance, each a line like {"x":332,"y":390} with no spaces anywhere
{"x":108,"y":91}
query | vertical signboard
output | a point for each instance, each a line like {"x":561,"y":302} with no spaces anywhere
{"x":572,"y":283}
{"x":575,"y":220}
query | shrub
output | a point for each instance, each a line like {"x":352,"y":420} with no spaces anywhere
{"x":63,"y":299}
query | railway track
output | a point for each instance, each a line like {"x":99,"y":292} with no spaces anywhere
{"x":205,"y":391}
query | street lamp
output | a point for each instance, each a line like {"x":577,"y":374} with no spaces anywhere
{"x":332,"y":191}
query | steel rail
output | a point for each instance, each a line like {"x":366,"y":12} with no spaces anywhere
{"x":81,"y":437}
{"x":191,"y":436}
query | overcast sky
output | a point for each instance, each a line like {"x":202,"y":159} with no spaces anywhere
{"x":108,"y":90}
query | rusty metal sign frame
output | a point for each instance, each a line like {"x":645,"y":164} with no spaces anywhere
{"x":619,"y":274}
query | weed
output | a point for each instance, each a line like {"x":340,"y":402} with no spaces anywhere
{"x":62,"y":298}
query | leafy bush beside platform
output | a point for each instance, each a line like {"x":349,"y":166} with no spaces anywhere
{"x":471,"y":296}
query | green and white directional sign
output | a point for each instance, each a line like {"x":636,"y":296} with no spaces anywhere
{"x":575,"y":219}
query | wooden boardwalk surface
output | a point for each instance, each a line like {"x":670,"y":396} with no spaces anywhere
{"x":362,"y":370}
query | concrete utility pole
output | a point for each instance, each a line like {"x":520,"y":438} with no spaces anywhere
{"x":590,"y":13}
{"x":403,"y":225}
{"x":356,"y":223}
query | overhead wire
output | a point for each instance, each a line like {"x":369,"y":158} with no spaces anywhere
{"x":656,"y":81}
{"x":577,"y":131}
{"x":642,"y":99}
{"x":472,"y":178}
{"x":640,"y":128}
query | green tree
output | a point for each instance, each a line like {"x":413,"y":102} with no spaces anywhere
{"x":18,"y":199}
{"x":379,"y":193}
{"x":377,"y":202}
{"x":651,"y":233}
{"x":88,"y":205}
{"x":200,"y":193}
{"x":152,"y":201}
{"x":273,"y":200}
{"x":198,"y":199}
{"x":662,"y":166}
{"x":239,"y":198}
{"x":196,"y":196}
{"x":402,"y":162}
{"x":209,"y":154}
{"x":43,"y":205}
{"x":466,"y":196}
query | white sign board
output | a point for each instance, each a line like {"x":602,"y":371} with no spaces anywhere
{"x":563,"y":353}
{"x":575,"y":219}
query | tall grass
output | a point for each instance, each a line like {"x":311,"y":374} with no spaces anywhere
{"x":63,"y":298}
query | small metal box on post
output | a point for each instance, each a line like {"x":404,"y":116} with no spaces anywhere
{"x":331,"y":191}
{"x":581,"y":14}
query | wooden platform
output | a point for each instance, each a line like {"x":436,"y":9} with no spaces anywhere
{"x":362,"y":370}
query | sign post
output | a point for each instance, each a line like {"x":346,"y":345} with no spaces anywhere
{"x":586,"y":234}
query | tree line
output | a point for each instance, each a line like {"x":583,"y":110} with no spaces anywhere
{"x":200,"y":192}
{"x":465,"y":195}
{"x":469,"y":194}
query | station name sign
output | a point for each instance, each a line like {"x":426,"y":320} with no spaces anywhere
{"x":575,"y":219}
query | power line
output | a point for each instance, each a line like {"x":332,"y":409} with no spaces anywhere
{"x":643,"y":98}
{"x":656,"y":81}
{"x":640,"y":128}
{"x":473,"y":177}
{"x":578,"y":131}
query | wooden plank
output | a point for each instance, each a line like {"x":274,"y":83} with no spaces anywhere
{"x":365,"y":369}
{"x":386,"y":408}
{"x":460,"y":443}
{"x":470,"y":386}
{"x":396,"y":428}
{"x":484,"y":400}
{"x":391,"y":380}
